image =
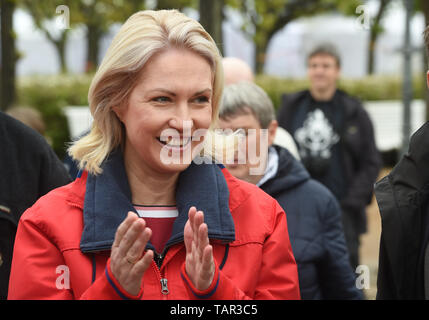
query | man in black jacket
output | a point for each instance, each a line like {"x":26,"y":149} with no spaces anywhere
{"x":29,"y":169}
{"x":312,"y":212}
{"x":335,"y":140}
{"x":403,"y":199}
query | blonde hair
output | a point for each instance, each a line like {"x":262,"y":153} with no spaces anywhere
{"x":143,"y":35}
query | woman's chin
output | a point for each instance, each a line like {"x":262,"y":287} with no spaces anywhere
{"x":173,"y":167}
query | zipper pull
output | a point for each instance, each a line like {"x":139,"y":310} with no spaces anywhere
{"x":164,"y":287}
{"x":159,"y":260}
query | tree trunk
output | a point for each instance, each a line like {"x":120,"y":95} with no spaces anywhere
{"x":373,"y":35}
{"x":8,"y":55}
{"x":93,"y":37}
{"x":371,"y":54}
{"x":62,"y":56}
{"x":261,"y":48}
{"x":211,"y":17}
{"x":259,"y":58}
{"x":60,"y":47}
{"x":425,"y":9}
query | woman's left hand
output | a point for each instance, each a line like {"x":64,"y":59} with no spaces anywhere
{"x":200,"y":266}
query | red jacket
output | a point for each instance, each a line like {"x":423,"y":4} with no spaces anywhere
{"x":62,"y":251}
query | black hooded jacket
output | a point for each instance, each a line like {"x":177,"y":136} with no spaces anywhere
{"x":315,"y":231}
{"x":403,"y":199}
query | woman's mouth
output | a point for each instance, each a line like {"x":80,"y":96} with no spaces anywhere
{"x":175,"y":143}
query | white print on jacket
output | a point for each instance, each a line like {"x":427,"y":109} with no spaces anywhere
{"x":316,"y":136}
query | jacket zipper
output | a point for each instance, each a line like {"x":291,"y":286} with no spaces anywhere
{"x":157,"y":263}
{"x":163,"y":281}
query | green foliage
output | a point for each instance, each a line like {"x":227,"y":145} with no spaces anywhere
{"x":49,"y":94}
{"x":176,"y":4}
{"x":41,"y":10}
{"x":104,"y":13}
{"x":275,"y":87}
{"x":262,"y":19}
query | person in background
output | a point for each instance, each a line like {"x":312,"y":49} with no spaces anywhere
{"x":335,"y":139}
{"x":403,"y":200}
{"x":236,"y":70}
{"x":29,"y":170}
{"x":29,"y":116}
{"x":137,"y":223}
{"x":313,"y":214}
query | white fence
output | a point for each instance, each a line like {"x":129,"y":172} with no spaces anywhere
{"x":387,"y":118}
{"x":79,"y":120}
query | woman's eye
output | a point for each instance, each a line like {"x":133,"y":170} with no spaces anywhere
{"x":202,"y":99}
{"x":161,"y":99}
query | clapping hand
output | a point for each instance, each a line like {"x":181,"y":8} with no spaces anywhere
{"x":200,"y":266}
{"x":127,"y":261}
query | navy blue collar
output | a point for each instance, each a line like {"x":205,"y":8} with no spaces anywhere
{"x":108,"y":200}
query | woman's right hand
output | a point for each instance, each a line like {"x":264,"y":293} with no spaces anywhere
{"x":127,"y":261}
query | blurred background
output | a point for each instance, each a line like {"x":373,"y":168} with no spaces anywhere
{"x":50,"y":50}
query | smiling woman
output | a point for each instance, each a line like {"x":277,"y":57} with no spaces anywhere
{"x":133,"y":226}
{"x":133,"y":47}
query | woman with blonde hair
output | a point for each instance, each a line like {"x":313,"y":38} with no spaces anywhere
{"x":136,"y":223}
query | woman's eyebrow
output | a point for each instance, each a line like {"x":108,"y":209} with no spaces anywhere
{"x":163,"y":90}
{"x":207,"y":90}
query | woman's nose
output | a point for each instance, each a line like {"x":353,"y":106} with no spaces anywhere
{"x":181,"y":119}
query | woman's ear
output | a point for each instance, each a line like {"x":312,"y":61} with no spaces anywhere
{"x":118,"y":111}
{"x":272,"y":128}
